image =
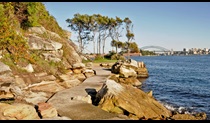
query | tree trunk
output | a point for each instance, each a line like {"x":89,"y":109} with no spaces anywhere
{"x":128,"y":50}
{"x":94,"y":48}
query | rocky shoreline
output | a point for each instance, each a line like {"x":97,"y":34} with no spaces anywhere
{"x":86,"y":92}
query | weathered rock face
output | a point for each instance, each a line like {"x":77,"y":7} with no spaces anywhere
{"x":38,"y":43}
{"x":42,"y":30}
{"x":128,"y":100}
{"x":128,"y":81}
{"x":5,"y":74}
{"x":53,"y":50}
{"x":68,"y":34}
{"x":129,"y":71}
{"x":126,"y":69}
{"x":6,"y":80}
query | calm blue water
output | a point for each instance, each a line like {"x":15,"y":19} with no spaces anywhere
{"x":181,"y":83}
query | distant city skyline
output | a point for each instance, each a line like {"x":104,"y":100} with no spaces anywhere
{"x":172,"y":25}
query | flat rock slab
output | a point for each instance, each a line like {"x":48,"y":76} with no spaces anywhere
{"x":81,"y":110}
{"x":78,"y":110}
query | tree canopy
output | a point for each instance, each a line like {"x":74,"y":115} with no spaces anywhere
{"x":98,"y":28}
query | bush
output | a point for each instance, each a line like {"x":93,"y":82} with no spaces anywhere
{"x":98,"y":57}
{"x":108,"y":56}
{"x":118,"y":57}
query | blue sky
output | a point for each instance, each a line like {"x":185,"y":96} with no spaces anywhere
{"x":172,"y":25}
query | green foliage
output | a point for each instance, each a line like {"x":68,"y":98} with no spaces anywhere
{"x":146,"y":52}
{"x":7,"y":59}
{"x":11,"y":40}
{"x":114,"y":56}
{"x":33,"y":12}
{"x":98,"y":57}
{"x":118,"y":57}
{"x":108,"y":56}
{"x":133,"y":47}
{"x":86,"y":61}
{"x":30,"y":14}
{"x":48,"y":66}
{"x":104,"y":61}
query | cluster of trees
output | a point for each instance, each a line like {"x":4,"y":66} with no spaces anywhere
{"x":124,"y":46}
{"x":98,"y":28}
{"x":146,"y":52}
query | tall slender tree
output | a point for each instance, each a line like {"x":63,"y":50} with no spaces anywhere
{"x":129,"y":34}
{"x":116,"y":29}
{"x":80,"y":24}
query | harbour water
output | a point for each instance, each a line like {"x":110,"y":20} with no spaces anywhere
{"x":181,"y":83}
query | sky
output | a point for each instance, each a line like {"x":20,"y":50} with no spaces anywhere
{"x":172,"y":25}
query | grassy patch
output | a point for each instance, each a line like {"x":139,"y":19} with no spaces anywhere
{"x":104,"y":61}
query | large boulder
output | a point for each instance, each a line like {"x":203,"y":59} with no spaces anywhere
{"x":126,"y":69}
{"x":129,"y":70}
{"x":128,"y":100}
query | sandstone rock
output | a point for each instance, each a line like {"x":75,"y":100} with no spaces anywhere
{"x":4,"y":68}
{"x":68,"y":34}
{"x":20,"y":82}
{"x":70,"y":83}
{"x":6,"y":95}
{"x":198,"y":116}
{"x":89,"y":65}
{"x":133,"y":63}
{"x":29,"y":68}
{"x":56,"y":45}
{"x":78,"y":65}
{"x":122,"y":67}
{"x":127,"y":72}
{"x":80,"y":76}
{"x":46,"y":86}
{"x":129,"y":81}
{"x":47,"y":110}
{"x":142,"y":72}
{"x":86,"y":98}
{"x":78,"y":70}
{"x":39,"y":30}
{"x":6,"y":75}
{"x":53,"y":34}
{"x":17,"y":111}
{"x":125,"y":99}
{"x":89,"y":72}
{"x":38,"y":43}
{"x":36,"y":97}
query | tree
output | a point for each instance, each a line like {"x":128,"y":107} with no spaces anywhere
{"x":114,"y":44}
{"x":93,"y":29}
{"x":80,"y":24}
{"x":134,"y":47}
{"x":129,"y":34}
{"x":105,"y":33}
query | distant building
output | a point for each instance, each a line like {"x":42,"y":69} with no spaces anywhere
{"x":172,"y":51}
